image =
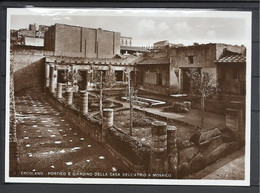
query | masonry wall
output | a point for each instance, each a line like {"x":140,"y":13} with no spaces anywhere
{"x":77,"y":41}
{"x":203,"y":56}
{"x":28,"y":68}
{"x":49,"y":39}
{"x":150,"y":78}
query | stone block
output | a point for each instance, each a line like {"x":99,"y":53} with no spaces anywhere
{"x":207,"y":136}
{"x":187,"y":104}
{"x":197,"y":163}
{"x":183,"y":170}
{"x":218,"y":153}
{"x":187,"y":154}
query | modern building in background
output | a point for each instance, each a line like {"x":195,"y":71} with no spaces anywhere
{"x":75,"y":41}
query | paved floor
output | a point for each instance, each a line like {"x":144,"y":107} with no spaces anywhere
{"x":49,"y":144}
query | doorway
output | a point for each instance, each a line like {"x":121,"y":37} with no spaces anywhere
{"x":83,"y":83}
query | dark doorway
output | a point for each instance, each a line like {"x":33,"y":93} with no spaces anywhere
{"x":119,"y":75}
{"x":83,"y":83}
{"x":61,"y":75}
{"x":158,"y":79}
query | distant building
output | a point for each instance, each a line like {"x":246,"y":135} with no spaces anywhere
{"x":132,"y":50}
{"x":41,"y":31}
{"x":125,"y":41}
{"x":75,"y":41}
{"x":29,"y":37}
{"x":161,"y":44}
{"x":32,"y":41}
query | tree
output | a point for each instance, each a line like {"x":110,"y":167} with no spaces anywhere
{"x":131,"y":94}
{"x":204,"y":85}
{"x":103,"y":81}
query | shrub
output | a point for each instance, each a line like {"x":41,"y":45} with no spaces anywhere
{"x":177,"y":107}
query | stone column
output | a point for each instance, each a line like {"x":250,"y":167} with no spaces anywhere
{"x":52,"y":82}
{"x":180,"y":80}
{"x":158,"y":154}
{"x":59,"y":91}
{"x":69,"y":96}
{"x":47,"y":75}
{"x":84,"y":102}
{"x":172,"y":150}
{"x":53,"y":78}
{"x":108,"y":121}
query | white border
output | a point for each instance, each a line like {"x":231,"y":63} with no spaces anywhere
{"x":138,"y":12}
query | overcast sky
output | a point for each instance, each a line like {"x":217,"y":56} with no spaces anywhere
{"x":146,"y":27}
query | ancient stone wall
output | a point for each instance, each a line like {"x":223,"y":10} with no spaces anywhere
{"x":28,"y":68}
{"x":202,"y":56}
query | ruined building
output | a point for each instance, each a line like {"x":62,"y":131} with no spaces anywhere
{"x":165,"y":71}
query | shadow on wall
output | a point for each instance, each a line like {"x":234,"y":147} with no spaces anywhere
{"x":31,"y":76}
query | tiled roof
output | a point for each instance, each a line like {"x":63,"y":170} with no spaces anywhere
{"x":236,"y":58}
{"x":132,"y":48}
{"x":155,"y":61}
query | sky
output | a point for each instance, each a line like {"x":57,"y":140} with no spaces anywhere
{"x":146,"y":26}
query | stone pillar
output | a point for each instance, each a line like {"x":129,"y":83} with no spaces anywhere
{"x":158,"y":154}
{"x":52,"y":82}
{"x":53,"y":78}
{"x":108,"y":121}
{"x":59,"y":91}
{"x":84,"y":102}
{"x":47,"y":75}
{"x":180,"y":80}
{"x":235,"y":119}
{"x":172,"y":150}
{"x":69,"y":95}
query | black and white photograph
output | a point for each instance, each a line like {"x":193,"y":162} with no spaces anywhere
{"x":128,"y":96}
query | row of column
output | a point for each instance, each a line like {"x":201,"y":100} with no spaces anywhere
{"x":69,"y":97}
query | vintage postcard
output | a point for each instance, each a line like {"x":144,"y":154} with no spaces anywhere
{"x":128,"y":96}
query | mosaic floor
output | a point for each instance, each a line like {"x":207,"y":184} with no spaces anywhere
{"x":48,"y":144}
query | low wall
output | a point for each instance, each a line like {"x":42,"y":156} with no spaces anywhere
{"x":131,"y":152}
{"x":167,"y":119}
{"x":85,"y":123}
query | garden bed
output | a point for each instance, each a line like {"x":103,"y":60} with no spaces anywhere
{"x":142,"y":126}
